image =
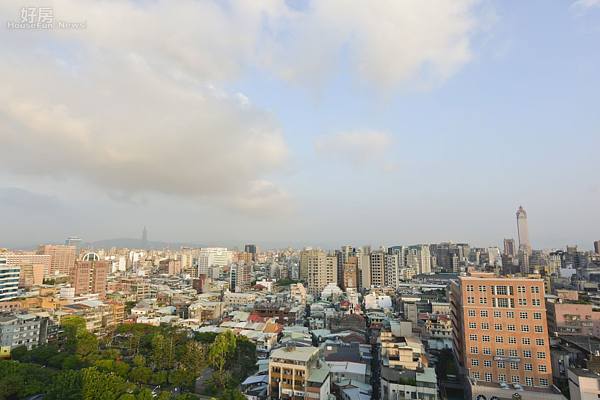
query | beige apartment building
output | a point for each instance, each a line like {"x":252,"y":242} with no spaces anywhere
{"x":500,"y":335}
{"x":322,"y":269}
{"x":297,"y":372}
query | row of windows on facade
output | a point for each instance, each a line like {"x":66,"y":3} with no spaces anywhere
{"x":514,"y":379}
{"x":541,"y":355}
{"x":510,"y":327}
{"x":504,"y":303}
{"x":511,"y":339}
{"x":513,"y":365}
{"x":509,"y":314}
{"x":504,"y":290}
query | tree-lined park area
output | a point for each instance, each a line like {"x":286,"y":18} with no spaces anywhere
{"x":135,"y":362}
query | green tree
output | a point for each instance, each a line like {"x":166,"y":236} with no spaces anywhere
{"x":181,"y":377}
{"x":96,"y":385}
{"x":194,"y":358}
{"x":66,"y":385}
{"x":205,"y":337}
{"x":36,"y":379}
{"x":71,"y":362}
{"x":19,"y":352}
{"x":232,"y":394}
{"x":10,"y":385}
{"x":159,"y":378}
{"x":74,"y":326}
{"x":87,"y":343}
{"x":219,"y":353}
{"x":140,"y":375}
{"x":144,"y":394}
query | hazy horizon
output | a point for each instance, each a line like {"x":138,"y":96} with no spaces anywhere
{"x":298,"y":121}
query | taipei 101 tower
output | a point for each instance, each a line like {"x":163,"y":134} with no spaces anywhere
{"x":523,"y":229}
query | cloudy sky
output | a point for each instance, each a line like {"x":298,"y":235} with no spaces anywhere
{"x":302,"y":122}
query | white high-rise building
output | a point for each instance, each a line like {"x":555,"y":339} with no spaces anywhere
{"x":9,"y":280}
{"x":211,"y":257}
{"x":419,"y":258}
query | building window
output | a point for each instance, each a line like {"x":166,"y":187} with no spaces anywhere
{"x":501,"y":291}
{"x":523,"y":315}
{"x":485,"y":338}
{"x":474,"y":350}
{"x":474,"y":362}
{"x":499,"y":352}
{"x":471,"y":300}
{"x":483,"y":300}
{"x":528,"y":381}
{"x":487,"y":363}
{"x":470,"y":288}
{"x":485,"y":326}
{"x":512,"y":339}
{"x":514,"y":379}
{"x":513,"y":353}
{"x":483,"y":313}
{"x":521,"y":289}
{"x":476,"y":375}
{"x":510,"y":314}
{"x":497,"y":314}
{"x":528,"y":367}
{"x":522,"y":302}
{"x":497,"y":327}
{"x":502,"y":303}
{"x":543,"y":382}
{"x":482,"y":288}
{"x":536,"y":302}
{"x":542,"y":368}
{"x":539,"y":329}
{"x":539,"y":342}
{"x":501,"y":378}
{"x":514,"y":366}
{"x":471,"y":313}
{"x":525,"y":340}
{"x":499,"y":339}
{"x":501,"y":364}
{"x":487,"y":351}
{"x":526,"y":354}
{"x":472,"y":325}
{"x":511,"y":328}
{"x":541,"y":355}
{"x":537,"y":315}
{"x":488,"y":377}
{"x":524,"y":328}
{"x":473,"y":337}
{"x":535,"y":289}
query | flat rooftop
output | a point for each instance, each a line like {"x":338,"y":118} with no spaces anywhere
{"x":297,"y":354}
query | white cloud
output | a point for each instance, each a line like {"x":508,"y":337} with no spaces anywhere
{"x":134,"y":103}
{"x":360,"y":149}
{"x":581,"y":7}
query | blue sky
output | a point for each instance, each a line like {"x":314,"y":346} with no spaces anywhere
{"x":315,"y":127}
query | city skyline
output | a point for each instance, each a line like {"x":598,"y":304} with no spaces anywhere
{"x":241,"y":122}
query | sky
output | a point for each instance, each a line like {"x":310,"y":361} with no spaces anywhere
{"x":301,"y":123}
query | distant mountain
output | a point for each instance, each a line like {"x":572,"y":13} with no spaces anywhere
{"x":131,"y":243}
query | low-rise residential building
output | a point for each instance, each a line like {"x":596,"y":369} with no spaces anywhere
{"x":205,"y":311}
{"x":239,"y":299}
{"x":20,"y":329}
{"x":408,"y":384}
{"x":298,"y":372}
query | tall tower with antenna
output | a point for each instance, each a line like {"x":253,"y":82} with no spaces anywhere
{"x":523,"y":230}
{"x":145,"y":239}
